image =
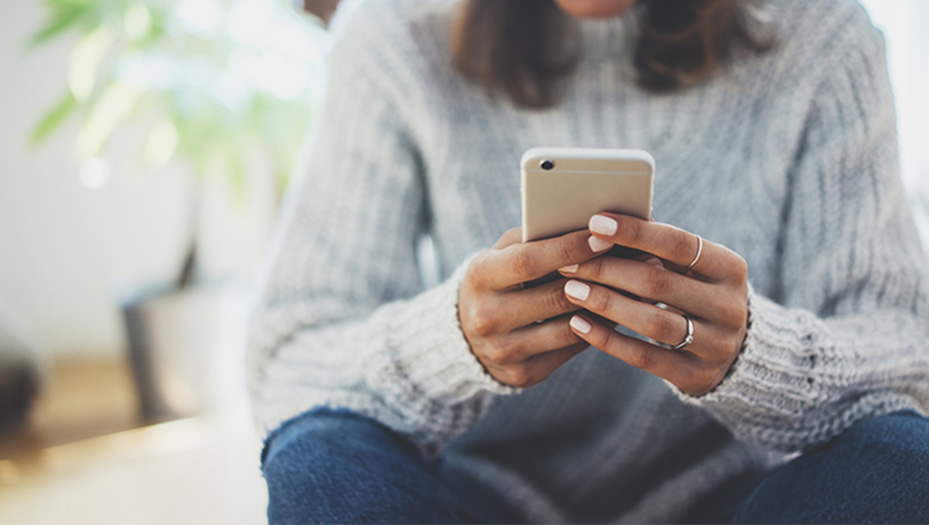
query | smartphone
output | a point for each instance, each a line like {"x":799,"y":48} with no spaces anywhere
{"x":562,"y":188}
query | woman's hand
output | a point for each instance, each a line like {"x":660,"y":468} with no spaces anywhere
{"x":521,"y":334}
{"x":712,"y":294}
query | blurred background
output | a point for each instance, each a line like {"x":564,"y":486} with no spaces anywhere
{"x":144,"y":148}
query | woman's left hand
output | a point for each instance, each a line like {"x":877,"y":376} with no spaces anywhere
{"x":711,"y":297}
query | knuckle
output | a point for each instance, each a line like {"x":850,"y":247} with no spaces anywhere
{"x":494,"y":355}
{"x":632,"y":231}
{"x":593,"y":269}
{"x":735,"y":266}
{"x":601,"y":301}
{"x":731,"y":314}
{"x":713,"y":345}
{"x":642,"y":357}
{"x":566,"y":252}
{"x":518,"y":376}
{"x":522,"y":265}
{"x":662,"y":327}
{"x":500,"y":353}
{"x":598,"y":339}
{"x":740,"y":270}
{"x":483,"y":322}
{"x":477,"y":270}
{"x":513,"y":351}
{"x":556,"y":301}
{"x":657,"y":282}
{"x":735,"y":314}
{"x":683,"y":243}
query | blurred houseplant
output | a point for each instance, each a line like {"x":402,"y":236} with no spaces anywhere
{"x":222,"y":86}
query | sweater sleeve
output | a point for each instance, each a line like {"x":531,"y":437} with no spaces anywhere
{"x":340,"y":319}
{"x":846,"y":337}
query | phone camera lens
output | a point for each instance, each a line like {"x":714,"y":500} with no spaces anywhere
{"x":547,"y":165}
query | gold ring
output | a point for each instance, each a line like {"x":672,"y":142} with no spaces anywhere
{"x":696,"y":257}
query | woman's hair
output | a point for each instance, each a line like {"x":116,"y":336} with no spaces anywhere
{"x":526,"y":49}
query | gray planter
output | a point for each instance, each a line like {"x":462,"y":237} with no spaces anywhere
{"x":173,"y":339}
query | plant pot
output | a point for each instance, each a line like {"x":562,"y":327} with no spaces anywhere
{"x":173,"y":340}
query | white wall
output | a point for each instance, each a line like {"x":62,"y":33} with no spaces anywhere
{"x":66,"y":250}
{"x":904,"y":24}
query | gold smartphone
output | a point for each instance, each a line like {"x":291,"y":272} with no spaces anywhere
{"x":562,"y":188}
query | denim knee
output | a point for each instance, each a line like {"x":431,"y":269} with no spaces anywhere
{"x":906,"y":431}
{"x":322,"y":433}
{"x":876,"y":471}
{"x":331,"y":466}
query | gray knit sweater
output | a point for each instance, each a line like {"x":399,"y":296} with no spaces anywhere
{"x":789,"y":158}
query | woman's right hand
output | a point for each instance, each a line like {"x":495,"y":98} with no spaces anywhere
{"x":521,"y":334}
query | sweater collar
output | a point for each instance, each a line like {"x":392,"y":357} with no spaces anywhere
{"x":609,"y":40}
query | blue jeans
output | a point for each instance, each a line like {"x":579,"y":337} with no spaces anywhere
{"x":338,"y":467}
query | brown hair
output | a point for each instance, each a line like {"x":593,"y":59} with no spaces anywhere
{"x":526,"y":49}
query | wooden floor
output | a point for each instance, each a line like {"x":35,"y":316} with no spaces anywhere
{"x":81,"y":399}
{"x":86,"y":457}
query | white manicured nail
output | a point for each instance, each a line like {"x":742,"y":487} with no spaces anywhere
{"x":577,"y":290}
{"x":598,"y":245}
{"x":602,"y":225}
{"x":580,"y":324}
{"x":568,"y":269}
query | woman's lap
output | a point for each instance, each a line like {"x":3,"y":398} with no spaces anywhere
{"x":339,"y":467}
{"x":875,"y":472}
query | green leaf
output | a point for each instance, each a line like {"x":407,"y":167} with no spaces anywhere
{"x":65,"y":19}
{"x":86,"y":58}
{"x":53,"y":119}
{"x":106,"y":114}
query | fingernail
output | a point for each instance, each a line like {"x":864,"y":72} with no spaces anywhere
{"x":580,"y":324}
{"x":577,"y":290}
{"x":572,"y":268}
{"x":654,"y":261}
{"x":602,"y":225}
{"x":597,"y":244}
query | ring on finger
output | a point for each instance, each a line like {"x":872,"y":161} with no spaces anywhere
{"x":696,"y":257}
{"x":689,"y":338}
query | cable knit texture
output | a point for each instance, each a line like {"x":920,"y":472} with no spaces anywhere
{"x":789,"y":158}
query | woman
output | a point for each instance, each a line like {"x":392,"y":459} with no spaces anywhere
{"x":782,"y":235}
